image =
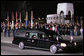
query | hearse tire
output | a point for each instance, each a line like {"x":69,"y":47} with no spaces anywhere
{"x":53,"y":49}
{"x":21,"y":45}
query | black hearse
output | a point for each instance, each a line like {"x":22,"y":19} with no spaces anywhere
{"x":40,"y":38}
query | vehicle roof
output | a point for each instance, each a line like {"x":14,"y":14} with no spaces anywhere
{"x":39,"y":30}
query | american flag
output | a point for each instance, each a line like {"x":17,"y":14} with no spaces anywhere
{"x":12,"y":16}
{"x":16,"y":16}
{"x":26,"y":20}
{"x":20,"y":16}
{"x":7,"y":16}
{"x":16,"y":21}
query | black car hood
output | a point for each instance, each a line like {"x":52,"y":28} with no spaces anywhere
{"x":65,"y":41}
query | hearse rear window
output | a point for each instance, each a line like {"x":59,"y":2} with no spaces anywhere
{"x":34,"y":35}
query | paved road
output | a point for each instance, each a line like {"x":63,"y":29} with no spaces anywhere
{"x":11,"y":49}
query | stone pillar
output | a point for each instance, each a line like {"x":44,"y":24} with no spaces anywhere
{"x":59,"y":20}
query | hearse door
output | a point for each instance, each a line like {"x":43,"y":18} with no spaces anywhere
{"x":43,"y":42}
{"x":46,"y":42}
{"x":40,"y":40}
{"x":28,"y":41}
{"x":34,"y":38}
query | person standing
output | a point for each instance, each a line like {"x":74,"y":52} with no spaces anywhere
{"x":65,"y":29}
{"x":68,"y":29}
{"x":81,"y":31}
{"x":12,"y":27}
{"x":50,"y":27}
{"x":71,"y":32}
{"x":78,"y":30}
{"x":47,"y":27}
{"x":75,"y":30}
{"x":22,"y":26}
{"x":55,"y":28}
{"x":58,"y":28}
{"x":8,"y":25}
{"x":5,"y":29}
{"x":8,"y":29}
{"x":2,"y":26}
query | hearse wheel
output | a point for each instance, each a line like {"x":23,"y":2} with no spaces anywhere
{"x":53,"y":49}
{"x":21,"y":45}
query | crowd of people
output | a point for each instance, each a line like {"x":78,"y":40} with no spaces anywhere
{"x":63,"y":29}
{"x":72,"y":29}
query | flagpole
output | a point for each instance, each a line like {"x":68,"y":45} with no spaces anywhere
{"x":20,"y":19}
{"x":12,"y":20}
{"x":8,"y":20}
{"x":31,"y":19}
{"x":20,"y":16}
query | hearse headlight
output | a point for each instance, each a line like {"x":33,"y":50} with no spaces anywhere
{"x":63,"y":45}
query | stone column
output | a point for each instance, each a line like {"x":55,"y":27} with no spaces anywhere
{"x":59,"y":20}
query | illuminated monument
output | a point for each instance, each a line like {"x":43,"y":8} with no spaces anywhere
{"x":63,"y":9}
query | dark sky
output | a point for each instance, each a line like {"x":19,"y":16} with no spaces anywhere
{"x":40,"y":8}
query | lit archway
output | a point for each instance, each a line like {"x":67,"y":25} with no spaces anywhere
{"x":61,"y":14}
